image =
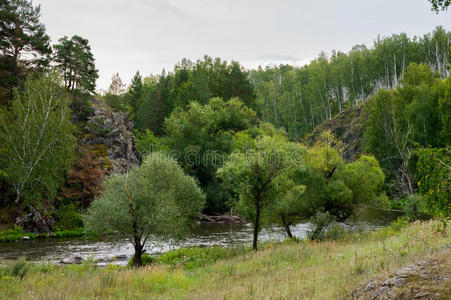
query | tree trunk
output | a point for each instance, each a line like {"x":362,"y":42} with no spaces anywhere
{"x":287,"y":227}
{"x":256,"y":225}
{"x":17,"y":203}
{"x":138,"y":254}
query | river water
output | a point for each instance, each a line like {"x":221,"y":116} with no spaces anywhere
{"x":118,"y":250}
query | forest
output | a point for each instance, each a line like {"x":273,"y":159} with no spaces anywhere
{"x":210,"y":138}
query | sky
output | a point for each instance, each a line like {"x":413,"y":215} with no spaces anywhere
{"x":149,"y":35}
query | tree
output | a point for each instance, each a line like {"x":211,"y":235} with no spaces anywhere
{"x":84,"y":180}
{"x":117,"y":87}
{"x":75,"y":60}
{"x":202,"y":138}
{"x":155,"y":198}
{"x":400,"y":120}
{"x":439,"y":5}
{"x":434,"y":178}
{"x":254,"y":173}
{"x":135,"y":91}
{"x":334,"y":188}
{"x":23,"y":38}
{"x":40,"y":138}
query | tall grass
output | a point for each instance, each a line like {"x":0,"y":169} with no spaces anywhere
{"x":288,"y":270}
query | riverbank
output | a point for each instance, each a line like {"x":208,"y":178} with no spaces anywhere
{"x":309,"y":270}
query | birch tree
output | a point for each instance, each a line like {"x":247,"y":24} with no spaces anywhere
{"x":39,"y":138}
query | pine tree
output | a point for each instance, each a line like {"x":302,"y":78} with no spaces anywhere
{"x":76,"y":63}
{"x":23,"y":39}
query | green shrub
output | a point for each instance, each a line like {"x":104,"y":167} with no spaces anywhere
{"x":399,"y":224}
{"x":146,"y":259}
{"x":68,"y":217}
{"x":195,"y":257}
{"x":335,"y":232}
{"x":320,"y":222}
{"x":19,"y":268}
{"x":414,"y":207}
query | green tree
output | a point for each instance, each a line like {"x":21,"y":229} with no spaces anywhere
{"x":76,"y":62}
{"x":23,"y":38}
{"x":135,"y":91}
{"x":40,"y":138}
{"x":202,"y":137}
{"x":256,"y":173}
{"x":400,"y":120}
{"x":334,"y":188}
{"x":155,"y":198}
{"x":434,"y":179}
{"x":439,"y":5}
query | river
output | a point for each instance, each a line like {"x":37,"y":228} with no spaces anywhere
{"x":118,"y":250}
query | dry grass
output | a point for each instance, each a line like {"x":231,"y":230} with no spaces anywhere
{"x":308,"y":270}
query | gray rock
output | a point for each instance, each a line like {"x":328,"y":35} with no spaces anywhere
{"x":115,"y":130}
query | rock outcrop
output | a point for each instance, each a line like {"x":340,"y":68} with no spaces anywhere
{"x":110,"y":134}
{"x":347,"y":127}
{"x":35,"y":222}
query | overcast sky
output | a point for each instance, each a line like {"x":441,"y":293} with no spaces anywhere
{"x":149,"y":35}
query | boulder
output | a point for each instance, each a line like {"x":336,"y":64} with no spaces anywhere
{"x":34,"y":222}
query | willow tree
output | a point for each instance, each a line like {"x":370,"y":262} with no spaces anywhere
{"x":156,"y":198}
{"x":39,"y":137}
{"x":257,"y":171}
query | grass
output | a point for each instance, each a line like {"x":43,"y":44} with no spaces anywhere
{"x":17,"y":234}
{"x":287,"y":270}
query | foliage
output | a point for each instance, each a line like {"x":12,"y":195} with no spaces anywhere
{"x":146,"y":260}
{"x":84,"y":180}
{"x":135,"y":91}
{"x":298,"y":99}
{"x":200,"y":81}
{"x":68,"y":217}
{"x":201,"y":138}
{"x":40,"y":138}
{"x":75,"y":60}
{"x":146,"y":142}
{"x":320,"y":222}
{"x":192,"y":258}
{"x":23,"y":39}
{"x":414,"y":207}
{"x":117,"y":102}
{"x":257,"y":173}
{"x":434,"y":178}
{"x":19,"y":268}
{"x":336,"y":187}
{"x":401,"y":120}
{"x":117,"y":87}
{"x":335,"y":266}
{"x":155,"y":198}
{"x":439,"y":5}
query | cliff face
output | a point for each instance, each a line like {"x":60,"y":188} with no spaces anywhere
{"x":110,"y":135}
{"x":347,"y":127}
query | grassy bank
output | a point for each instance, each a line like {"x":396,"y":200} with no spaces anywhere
{"x":306,"y":270}
{"x":17,"y":234}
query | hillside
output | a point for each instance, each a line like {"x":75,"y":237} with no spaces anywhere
{"x":347,"y":127}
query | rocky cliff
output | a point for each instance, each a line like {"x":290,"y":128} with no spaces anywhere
{"x":110,"y":135}
{"x":347,"y":127}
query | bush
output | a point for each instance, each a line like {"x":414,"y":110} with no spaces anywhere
{"x":319,"y":224}
{"x":334,"y":232}
{"x":68,"y":217}
{"x":146,"y":259}
{"x":399,"y":224}
{"x":19,"y":268}
{"x":414,"y":207}
{"x":195,"y":257}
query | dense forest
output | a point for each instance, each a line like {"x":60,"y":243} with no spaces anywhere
{"x":211,"y":136}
